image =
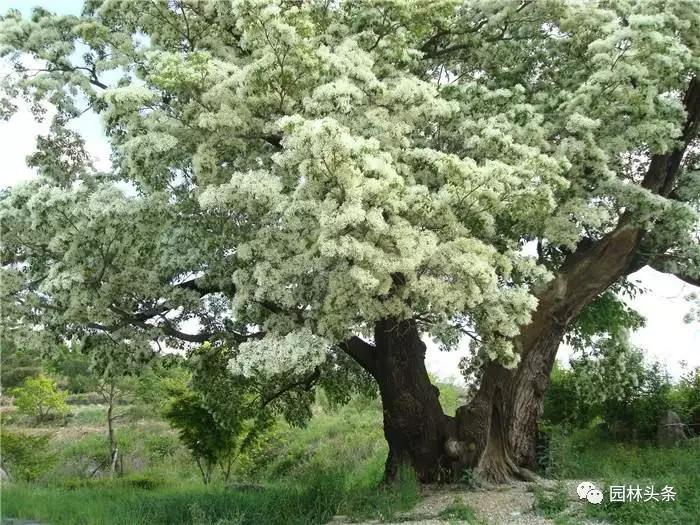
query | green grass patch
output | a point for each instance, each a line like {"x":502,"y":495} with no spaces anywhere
{"x":88,"y":415}
{"x":136,"y":500}
{"x":306,"y":475}
{"x":586,"y":455}
{"x":550,"y":503}
{"x":460,"y":512}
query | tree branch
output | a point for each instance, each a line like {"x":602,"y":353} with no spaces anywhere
{"x":167,"y":328}
{"x":664,"y":168}
{"x":306,"y":382}
{"x":362,"y":352}
{"x":204,"y":287}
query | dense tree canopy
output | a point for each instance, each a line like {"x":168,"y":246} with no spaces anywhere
{"x":291,"y":174}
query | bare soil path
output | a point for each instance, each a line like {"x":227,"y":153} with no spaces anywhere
{"x":505,"y":505}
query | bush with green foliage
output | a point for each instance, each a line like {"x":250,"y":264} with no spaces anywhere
{"x":72,"y":367}
{"x":24,"y":456}
{"x":637,"y":415}
{"x":38,"y":397}
{"x":211,"y":442}
{"x":549,"y":503}
{"x":631,"y":414}
{"x":563,"y":405}
{"x":685,"y":399}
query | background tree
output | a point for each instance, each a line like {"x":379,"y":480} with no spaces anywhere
{"x":71,"y":368}
{"x":313,"y":180}
{"x":114,"y":368}
{"x":16,"y":364}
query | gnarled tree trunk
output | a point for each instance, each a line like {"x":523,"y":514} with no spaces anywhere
{"x":437,"y":447}
{"x":415,"y":426}
{"x":588,"y":272}
{"x":414,"y":423}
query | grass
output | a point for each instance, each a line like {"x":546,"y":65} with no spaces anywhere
{"x":119,"y":502}
{"x":550,"y":503}
{"x":458,"y":511}
{"x":307,"y":475}
{"x":586,"y":455}
{"x":117,"y":505}
{"x":88,"y":415}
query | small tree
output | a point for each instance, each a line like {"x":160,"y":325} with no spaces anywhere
{"x":113,"y":368}
{"x":211,"y":443}
{"x":112,"y":393}
{"x":39,"y":397}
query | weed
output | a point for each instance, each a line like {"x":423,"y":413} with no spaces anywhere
{"x":550,"y":503}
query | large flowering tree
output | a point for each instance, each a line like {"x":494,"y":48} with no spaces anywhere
{"x":313,"y":185}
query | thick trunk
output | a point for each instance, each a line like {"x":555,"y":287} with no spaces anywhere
{"x":519,"y":394}
{"x":415,"y":427}
{"x":527,"y":392}
{"x":484,"y":429}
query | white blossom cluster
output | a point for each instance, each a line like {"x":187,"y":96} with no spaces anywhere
{"x":294,"y":353}
{"x":612,"y":371}
{"x":331,"y":167}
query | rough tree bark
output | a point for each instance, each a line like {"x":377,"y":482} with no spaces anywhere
{"x":437,"y":447}
{"x":587,"y":273}
{"x":415,"y":426}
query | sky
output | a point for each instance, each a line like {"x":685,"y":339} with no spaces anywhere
{"x":665,"y":338}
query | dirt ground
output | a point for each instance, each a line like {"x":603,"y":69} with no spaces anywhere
{"x":507,"y":505}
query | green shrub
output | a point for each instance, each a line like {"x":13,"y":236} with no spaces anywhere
{"x":632,"y":416}
{"x":17,"y":364}
{"x":25,"y":457}
{"x":212,"y":444}
{"x":143,"y":481}
{"x":39,"y":397}
{"x":161,"y":446}
{"x":685,"y":399}
{"x":563,"y":405}
{"x":637,"y":415}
